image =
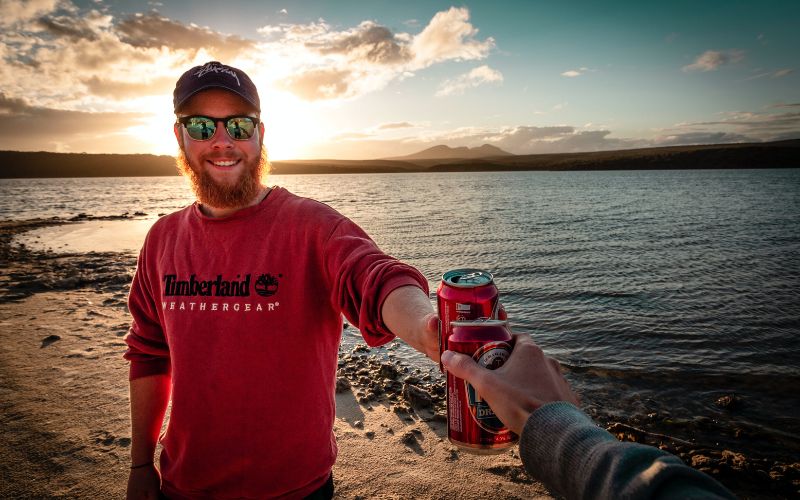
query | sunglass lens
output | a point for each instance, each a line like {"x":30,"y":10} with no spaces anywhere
{"x":241,"y":128}
{"x":200,"y":128}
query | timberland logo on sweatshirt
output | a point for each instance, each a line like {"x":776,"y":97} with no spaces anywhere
{"x":266,"y":285}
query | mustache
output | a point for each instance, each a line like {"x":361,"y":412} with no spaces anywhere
{"x":212,"y":193}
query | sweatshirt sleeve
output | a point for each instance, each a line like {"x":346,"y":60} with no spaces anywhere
{"x":561,"y":446}
{"x":147,"y":350}
{"x":362,"y":276}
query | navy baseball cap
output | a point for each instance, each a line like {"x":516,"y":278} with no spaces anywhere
{"x":215,"y":75}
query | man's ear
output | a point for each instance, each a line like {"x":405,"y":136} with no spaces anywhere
{"x":178,"y":134}
{"x":260,"y":133}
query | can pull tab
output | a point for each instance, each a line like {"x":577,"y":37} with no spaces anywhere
{"x":466,"y":277}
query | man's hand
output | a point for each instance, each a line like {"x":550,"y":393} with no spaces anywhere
{"x":408,"y":313}
{"x":144,"y":483}
{"x":430,"y":344}
{"x":525,"y":382}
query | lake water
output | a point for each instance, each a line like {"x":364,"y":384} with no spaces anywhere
{"x":658,"y":290}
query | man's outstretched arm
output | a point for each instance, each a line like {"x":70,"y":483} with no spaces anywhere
{"x":149,"y":399}
{"x":408,"y":313}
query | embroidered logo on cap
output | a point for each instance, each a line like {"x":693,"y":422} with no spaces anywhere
{"x":216,"y":68}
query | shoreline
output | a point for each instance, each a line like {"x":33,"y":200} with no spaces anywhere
{"x":66,"y":413}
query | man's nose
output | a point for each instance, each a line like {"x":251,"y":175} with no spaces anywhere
{"x":221,"y":139}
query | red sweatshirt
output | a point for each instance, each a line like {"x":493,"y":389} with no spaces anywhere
{"x":245,"y":312}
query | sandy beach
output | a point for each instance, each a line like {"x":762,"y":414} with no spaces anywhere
{"x":64,"y":400}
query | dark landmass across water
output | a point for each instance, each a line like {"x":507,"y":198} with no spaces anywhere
{"x":780,"y":154}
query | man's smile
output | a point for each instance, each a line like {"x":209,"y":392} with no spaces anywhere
{"x":224,"y":163}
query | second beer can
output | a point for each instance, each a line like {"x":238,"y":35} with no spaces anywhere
{"x":471,"y":424}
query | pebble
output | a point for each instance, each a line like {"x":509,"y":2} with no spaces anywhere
{"x":418,"y":398}
{"x":49,"y":340}
{"x":342,"y":385}
{"x":409,"y":439}
{"x":388,"y":371}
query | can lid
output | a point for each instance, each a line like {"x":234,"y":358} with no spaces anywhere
{"x":467,"y":278}
{"x":480,"y":322}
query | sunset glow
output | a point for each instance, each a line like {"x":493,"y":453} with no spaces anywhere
{"x":355,"y":80}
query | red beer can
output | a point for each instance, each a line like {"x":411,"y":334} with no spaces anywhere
{"x":464,"y":295}
{"x":471,"y":423}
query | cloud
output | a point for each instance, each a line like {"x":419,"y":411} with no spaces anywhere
{"x":27,"y":127}
{"x":711,"y":60}
{"x":320,"y":84}
{"x":368,"y":42}
{"x":152,"y":30}
{"x":758,"y":123}
{"x":86,"y":27}
{"x":475,"y":78}
{"x":329,"y":64}
{"x":449,"y":36}
{"x":121,"y":90}
{"x":559,"y":139}
{"x":86,"y":59}
{"x":390,"y":126}
{"x":575,"y":72}
{"x":739,"y":127}
{"x":694,"y":138}
{"x":16,"y":11}
{"x":772,"y":74}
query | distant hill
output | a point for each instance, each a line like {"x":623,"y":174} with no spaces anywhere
{"x":780,"y":154}
{"x":446,"y":152}
{"x":24,"y":164}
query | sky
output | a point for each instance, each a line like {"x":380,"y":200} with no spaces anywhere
{"x":376,"y":79}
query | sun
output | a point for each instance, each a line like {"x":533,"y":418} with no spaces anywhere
{"x":151,"y":131}
{"x":291,"y":125}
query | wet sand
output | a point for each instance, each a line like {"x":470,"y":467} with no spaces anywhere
{"x":64,"y":402}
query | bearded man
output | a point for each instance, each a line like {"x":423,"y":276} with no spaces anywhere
{"x":237,"y":306}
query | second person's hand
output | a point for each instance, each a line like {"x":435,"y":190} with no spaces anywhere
{"x":526,"y":381}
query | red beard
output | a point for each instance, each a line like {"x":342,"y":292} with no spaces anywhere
{"x":213,"y":194}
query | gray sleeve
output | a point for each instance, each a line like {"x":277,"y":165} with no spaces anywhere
{"x":562,"y":447}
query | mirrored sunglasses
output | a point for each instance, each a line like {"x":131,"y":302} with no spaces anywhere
{"x":202,"y":128}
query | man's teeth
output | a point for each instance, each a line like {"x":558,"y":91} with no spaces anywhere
{"x":225,"y":163}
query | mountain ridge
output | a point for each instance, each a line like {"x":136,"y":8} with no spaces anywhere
{"x":444,"y":152}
